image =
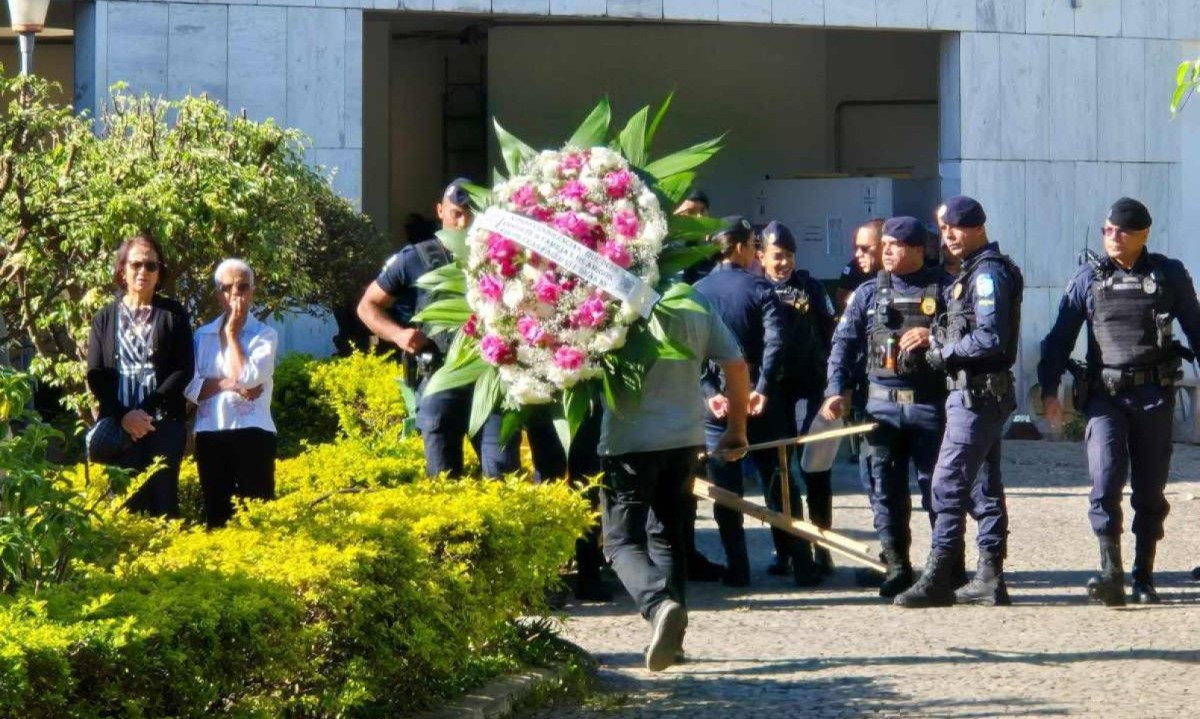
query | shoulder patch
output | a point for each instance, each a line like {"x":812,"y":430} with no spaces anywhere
{"x":985,"y":286}
{"x":387,"y":264}
{"x":828,"y":304}
{"x":846,"y":271}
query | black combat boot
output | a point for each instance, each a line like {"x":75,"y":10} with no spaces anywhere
{"x":733,"y":539}
{"x":1143,"y":573}
{"x":1108,"y":587}
{"x":987,"y":588}
{"x":958,"y":573}
{"x":899,"y":575}
{"x":805,"y":571}
{"x":820,"y":511}
{"x":933,"y":589}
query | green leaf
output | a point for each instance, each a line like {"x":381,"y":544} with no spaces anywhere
{"x":512,"y":150}
{"x":676,"y":259}
{"x":576,"y":403}
{"x":594,"y":129}
{"x":447,"y":278}
{"x":682,"y":297}
{"x":667,"y":348}
{"x":456,"y":242}
{"x":563,"y":430}
{"x":451,"y":312}
{"x":633,"y":138}
{"x":1184,"y":73}
{"x":680,"y":227}
{"x":676,"y":187}
{"x":451,"y":376}
{"x":488,"y":393}
{"x":481,"y":196}
{"x":510,"y":425}
{"x":658,"y":118}
{"x":684,"y":160}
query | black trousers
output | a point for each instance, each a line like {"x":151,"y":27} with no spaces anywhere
{"x":158,"y":496}
{"x":234,"y":462}
{"x":642,"y":509}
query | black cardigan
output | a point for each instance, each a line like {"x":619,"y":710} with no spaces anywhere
{"x":172,"y":354}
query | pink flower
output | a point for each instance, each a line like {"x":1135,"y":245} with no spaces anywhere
{"x":546,"y":288}
{"x":626,"y":224}
{"x":616,"y":253}
{"x":572,"y":191}
{"x":525,"y":197}
{"x":569,"y":358}
{"x":495,"y":350}
{"x":590,"y":313}
{"x":491,"y":288}
{"x":573,"y":161}
{"x":595,"y":236}
{"x":594,"y":209}
{"x":501,"y":249}
{"x":471,"y":328}
{"x":617,"y":183}
{"x":509,"y":268}
{"x":541,"y":214}
{"x":531,"y":329}
{"x":569,"y":223}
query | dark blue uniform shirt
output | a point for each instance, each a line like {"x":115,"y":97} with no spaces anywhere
{"x":747,"y":304}
{"x":987,"y":285}
{"x":1078,"y":305}
{"x":399,"y":278}
{"x":853,"y":331}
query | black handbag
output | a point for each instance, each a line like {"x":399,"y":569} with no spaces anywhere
{"x":107,"y":440}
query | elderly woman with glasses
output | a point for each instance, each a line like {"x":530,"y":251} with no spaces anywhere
{"x":139,"y":360}
{"x":235,"y":435}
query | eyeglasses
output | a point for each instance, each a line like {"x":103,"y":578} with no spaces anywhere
{"x":242,"y":287}
{"x":862,"y":249}
{"x":149,"y":265}
{"x":1114,"y":231}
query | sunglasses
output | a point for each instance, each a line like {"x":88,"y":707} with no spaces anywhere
{"x":242,"y":287}
{"x":149,"y":265}
{"x":1115,"y":231}
{"x":861,"y":248}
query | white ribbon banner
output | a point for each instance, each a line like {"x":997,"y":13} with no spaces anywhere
{"x":586,"y":264}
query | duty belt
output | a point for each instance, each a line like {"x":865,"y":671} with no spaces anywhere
{"x":997,"y":382}
{"x":1116,"y":379}
{"x":900,"y":396}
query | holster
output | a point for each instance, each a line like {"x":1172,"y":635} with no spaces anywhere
{"x":421,"y":365}
{"x":1081,"y":380}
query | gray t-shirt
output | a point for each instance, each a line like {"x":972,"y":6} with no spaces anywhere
{"x":670,"y":413}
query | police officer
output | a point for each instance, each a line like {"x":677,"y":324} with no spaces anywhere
{"x":751,"y":310}
{"x":808,"y":327}
{"x":905,"y":398}
{"x":866,"y":262}
{"x":387,"y":308}
{"x":1130,"y":300}
{"x":976,"y":344}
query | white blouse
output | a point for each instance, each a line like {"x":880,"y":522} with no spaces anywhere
{"x":227,"y":409}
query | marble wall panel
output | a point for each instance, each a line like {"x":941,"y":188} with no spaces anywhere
{"x":1162,"y":135}
{"x":1000,"y":187}
{"x":652,"y":9}
{"x":949,"y":98}
{"x":1024,"y":97}
{"x":1037,"y":316}
{"x":585,"y":8}
{"x":980,"y":82}
{"x":1000,"y":15}
{"x":850,"y":13}
{"x":1049,"y":223}
{"x":1185,"y":19}
{"x":1097,"y":185}
{"x":903,"y":13}
{"x":690,"y":9}
{"x":1145,"y":18}
{"x":798,"y":12}
{"x":756,"y":11}
{"x":258,"y":61}
{"x":1122,"y":96}
{"x":316,"y":74}
{"x":521,"y":7}
{"x":473,"y":6}
{"x":353,"y":82}
{"x":137,"y":46}
{"x":346,"y":167}
{"x":197,"y":60}
{"x":1099,"y":18}
{"x":949,"y":14}
{"x":1050,"y":17}
{"x":1072,"y":120}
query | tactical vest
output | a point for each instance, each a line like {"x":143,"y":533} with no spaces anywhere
{"x":893,"y":314}
{"x":1131,"y":319}
{"x":431,"y":255}
{"x":804,"y":364}
{"x":960,"y":319}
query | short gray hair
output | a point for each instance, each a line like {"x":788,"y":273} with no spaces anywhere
{"x":232,"y":264}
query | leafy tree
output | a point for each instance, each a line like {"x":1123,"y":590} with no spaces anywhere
{"x":1187,"y":80}
{"x":208,"y":184}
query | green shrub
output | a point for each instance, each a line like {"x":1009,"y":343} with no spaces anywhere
{"x":299,"y":412}
{"x":364,"y":392}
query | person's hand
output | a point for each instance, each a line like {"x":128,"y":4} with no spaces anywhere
{"x":731,"y":446}
{"x":409,"y":339}
{"x":718,"y":404}
{"x":833,"y":408}
{"x":239,"y":309}
{"x":914,"y":338}
{"x":137,"y":423}
{"x":1052,"y":410}
{"x":252,"y":393}
{"x":756,"y":404}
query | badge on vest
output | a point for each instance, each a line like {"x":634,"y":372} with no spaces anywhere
{"x":928,"y":306}
{"x":1149,"y":286}
{"x":985,"y":286}
{"x":957,"y":290}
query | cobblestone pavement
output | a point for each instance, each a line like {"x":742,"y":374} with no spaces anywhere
{"x":839,"y":651}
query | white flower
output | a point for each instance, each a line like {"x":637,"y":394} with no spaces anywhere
{"x":514,"y":293}
{"x":610,"y":339}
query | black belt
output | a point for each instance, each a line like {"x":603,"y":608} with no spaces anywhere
{"x":962,"y":380}
{"x":901,"y":396}
{"x":1116,"y":379}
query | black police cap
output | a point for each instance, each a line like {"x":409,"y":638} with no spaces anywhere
{"x":737,"y":229}
{"x":778,"y":234}
{"x":906,"y":230}
{"x":456,"y":192}
{"x":963,"y":211}
{"x":1129,"y":214}
{"x":698,"y":196}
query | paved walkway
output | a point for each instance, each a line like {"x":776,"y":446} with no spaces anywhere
{"x":776,"y":651}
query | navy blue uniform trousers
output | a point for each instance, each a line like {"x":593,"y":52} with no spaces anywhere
{"x":905,"y":433}
{"x":967,"y":477}
{"x":1129,"y":436}
{"x":444,"y":419}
